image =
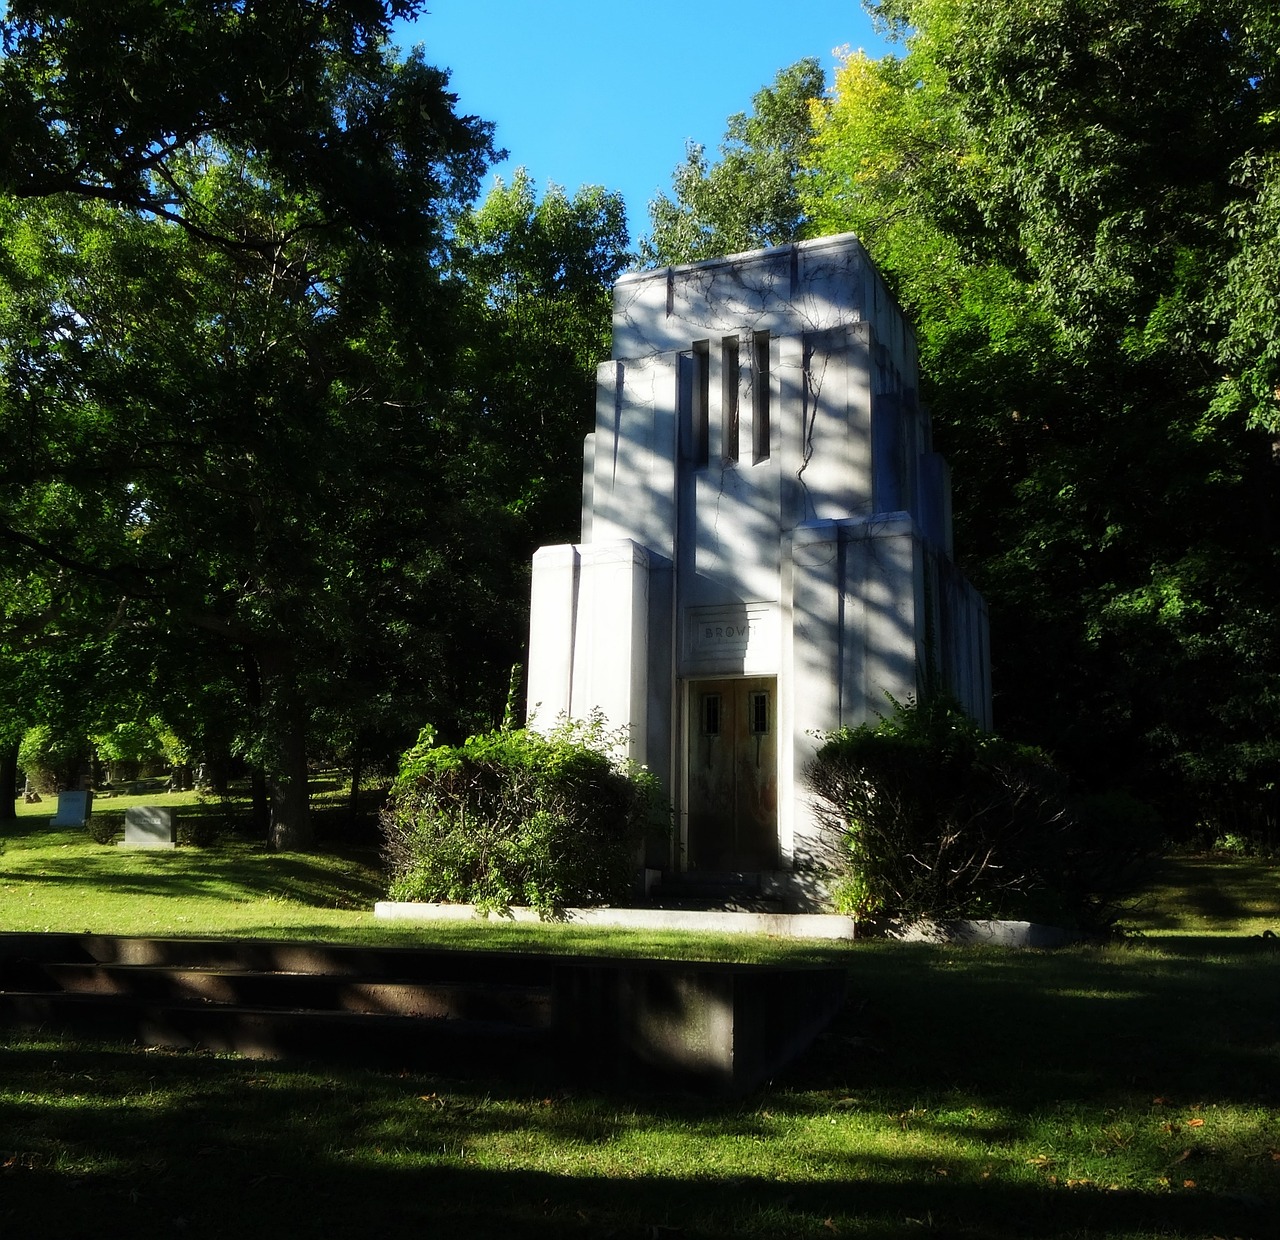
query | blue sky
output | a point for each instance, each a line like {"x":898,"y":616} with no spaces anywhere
{"x":607,"y":92}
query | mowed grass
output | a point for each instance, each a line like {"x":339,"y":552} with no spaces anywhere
{"x":59,"y":879}
{"x":1124,"y":1091}
{"x":1209,"y":897}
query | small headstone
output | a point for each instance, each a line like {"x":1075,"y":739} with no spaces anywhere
{"x":149,"y":826}
{"x":73,"y":809}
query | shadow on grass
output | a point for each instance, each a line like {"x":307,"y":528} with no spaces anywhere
{"x":287,"y":879}
{"x":229,"y":871}
{"x":158,"y":1145}
{"x":1030,"y":1028}
{"x":1204,"y":893}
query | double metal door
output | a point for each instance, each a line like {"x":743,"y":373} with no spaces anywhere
{"x":732,"y":765}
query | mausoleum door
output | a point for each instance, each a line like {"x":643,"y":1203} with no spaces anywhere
{"x":733,"y":774}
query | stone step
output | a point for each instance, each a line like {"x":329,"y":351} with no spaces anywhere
{"x":713,"y":899}
{"x":450,"y":1046}
{"x":636,"y":1023}
{"x":516,"y":1005}
{"x":21,"y":950}
{"x":738,"y":879}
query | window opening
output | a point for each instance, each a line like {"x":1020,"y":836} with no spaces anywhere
{"x":758,"y":712}
{"x":710,"y":714}
{"x":701,"y":403}
{"x":729,"y":377}
{"x":760,"y":397}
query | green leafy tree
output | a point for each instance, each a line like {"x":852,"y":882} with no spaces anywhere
{"x":749,"y":198}
{"x":1071,"y":201}
{"x":292,"y":422}
{"x":102,"y":101}
{"x":58,"y":646}
{"x":232,"y":387}
{"x":534,"y":277}
{"x":540,"y":273}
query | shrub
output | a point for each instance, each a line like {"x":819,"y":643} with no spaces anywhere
{"x":103,"y":828}
{"x":934,"y":817}
{"x":201,"y":832}
{"x":514,"y":817}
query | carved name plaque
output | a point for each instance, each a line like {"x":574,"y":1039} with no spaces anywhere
{"x":742,"y":638}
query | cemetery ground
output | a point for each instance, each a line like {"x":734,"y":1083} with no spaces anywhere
{"x":1129,"y":1090}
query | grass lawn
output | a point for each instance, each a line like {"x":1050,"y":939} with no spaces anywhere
{"x":1127,"y":1091}
{"x":1209,"y":897}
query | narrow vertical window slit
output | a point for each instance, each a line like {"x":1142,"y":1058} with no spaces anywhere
{"x":760,"y":381}
{"x":701,"y":403}
{"x":729,"y":377}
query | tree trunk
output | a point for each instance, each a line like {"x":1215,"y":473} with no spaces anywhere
{"x":8,"y":782}
{"x":287,"y":776}
{"x":261,"y":801}
{"x":357,"y":773}
{"x":290,"y":803}
{"x":218,"y":777}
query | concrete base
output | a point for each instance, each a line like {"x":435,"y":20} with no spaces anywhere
{"x":783,"y":925}
{"x":147,"y":846}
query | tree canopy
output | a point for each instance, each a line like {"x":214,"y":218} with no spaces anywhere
{"x":228,"y":355}
{"x":288,"y":415}
{"x":102,"y":100}
{"x":1075,"y":203}
{"x":541,"y":276}
{"x":749,"y":198}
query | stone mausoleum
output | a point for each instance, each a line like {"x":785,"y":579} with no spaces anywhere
{"x":766,"y":546}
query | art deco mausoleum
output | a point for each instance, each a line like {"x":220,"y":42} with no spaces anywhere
{"x":766,"y":545}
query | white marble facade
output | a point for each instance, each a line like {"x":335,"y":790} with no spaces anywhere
{"x":762,"y":510}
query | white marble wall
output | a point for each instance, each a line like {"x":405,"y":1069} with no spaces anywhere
{"x":819,"y":555}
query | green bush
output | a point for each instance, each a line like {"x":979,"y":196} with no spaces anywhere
{"x":103,"y":828}
{"x":934,"y":817}
{"x":201,"y":832}
{"x":514,"y":817}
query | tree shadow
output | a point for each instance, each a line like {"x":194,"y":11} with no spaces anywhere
{"x":187,"y":1144}
{"x":1212,"y":891}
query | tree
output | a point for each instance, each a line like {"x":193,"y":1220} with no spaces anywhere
{"x":100,"y":101}
{"x":748,"y":199}
{"x":1071,"y":201}
{"x":229,"y":358}
{"x":540,"y":276}
{"x":535,"y":283}
{"x":296,"y":418}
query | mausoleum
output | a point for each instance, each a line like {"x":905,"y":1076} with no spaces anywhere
{"x":766,"y":546}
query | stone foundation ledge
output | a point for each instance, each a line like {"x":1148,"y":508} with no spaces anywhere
{"x":782,"y":925}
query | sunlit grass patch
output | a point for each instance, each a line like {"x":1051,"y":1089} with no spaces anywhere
{"x":1210,"y":896}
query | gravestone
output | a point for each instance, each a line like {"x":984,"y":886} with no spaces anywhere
{"x":149,"y":826}
{"x":766,"y":546}
{"x":73,"y":809}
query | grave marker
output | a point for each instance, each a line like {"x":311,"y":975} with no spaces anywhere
{"x":73,"y":809}
{"x":149,"y":826}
